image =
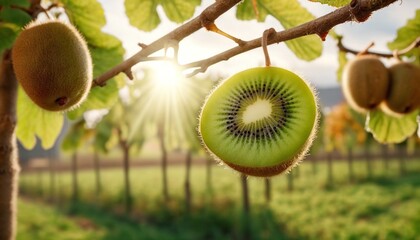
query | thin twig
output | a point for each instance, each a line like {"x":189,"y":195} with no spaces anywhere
{"x":128,"y":71}
{"x":396,"y":53}
{"x":211,"y":26}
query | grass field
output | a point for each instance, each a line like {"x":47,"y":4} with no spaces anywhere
{"x":384,"y":206}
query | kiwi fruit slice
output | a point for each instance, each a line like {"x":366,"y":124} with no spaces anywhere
{"x":53,"y":65}
{"x":260,"y":121}
{"x":365,"y":82}
{"x":404,"y":92}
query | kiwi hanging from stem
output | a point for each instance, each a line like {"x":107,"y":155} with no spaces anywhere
{"x":365,"y":82}
{"x":52,"y":63}
{"x":260,"y":121}
{"x":403,"y":96}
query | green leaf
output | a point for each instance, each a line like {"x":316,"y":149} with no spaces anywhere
{"x":99,"y":97}
{"x":143,"y":14}
{"x":342,"y":61}
{"x":104,"y":58}
{"x":179,"y":10}
{"x":289,"y":13}
{"x":334,"y":3}
{"x":15,"y":16}
{"x":407,"y":34}
{"x":8,"y":34}
{"x":102,"y":135}
{"x":74,"y":137}
{"x":106,"y":51}
{"x":35,"y":122}
{"x":21,"y":3}
{"x":88,"y":17}
{"x":388,"y":129}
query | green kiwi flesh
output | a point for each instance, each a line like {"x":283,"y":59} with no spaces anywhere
{"x":53,"y":65}
{"x":365,"y":82}
{"x":404,"y":92}
{"x":260,"y":121}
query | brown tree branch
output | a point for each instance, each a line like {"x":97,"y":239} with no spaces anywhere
{"x":320,"y":26}
{"x":211,"y":13}
{"x":414,"y":44}
{"x":357,"y":10}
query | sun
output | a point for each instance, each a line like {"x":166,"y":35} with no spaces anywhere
{"x":167,"y":75}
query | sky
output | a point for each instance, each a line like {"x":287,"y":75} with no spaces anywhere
{"x":380,"y":28}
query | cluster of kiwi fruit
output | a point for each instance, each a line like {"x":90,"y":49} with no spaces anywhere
{"x":368,"y":84}
{"x":260,"y":121}
{"x":53,"y":65}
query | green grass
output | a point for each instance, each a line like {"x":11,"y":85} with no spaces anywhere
{"x":37,"y":221}
{"x":385,"y":206}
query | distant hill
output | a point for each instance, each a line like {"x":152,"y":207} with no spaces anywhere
{"x":330,"y":96}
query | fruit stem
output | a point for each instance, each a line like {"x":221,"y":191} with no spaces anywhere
{"x":366,"y":50}
{"x":396,"y":55}
{"x":264,"y":40}
{"x":414,"y":44}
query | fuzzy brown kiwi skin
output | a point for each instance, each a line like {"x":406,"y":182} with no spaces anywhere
{"x":365,"y":82}
{"x":53,"y":65}
{"x":404,"y":92}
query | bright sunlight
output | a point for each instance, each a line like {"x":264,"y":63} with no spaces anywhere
{"x":169,"y":100}
{"x":167,"y":76}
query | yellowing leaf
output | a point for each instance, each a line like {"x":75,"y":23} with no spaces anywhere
{"x":342,"y":60}
{"x":35,"y":122}
{"x":334,"y":3}
{"x":388,"y":129}
{"x":406,"y":35}
{"x":179,"y":10}
{"x":143,"y":14}
{"x":89,"y":18}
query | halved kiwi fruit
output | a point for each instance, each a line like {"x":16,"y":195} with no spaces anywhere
{"x":404,"y":92}
{"x":53,"y":65}
{"x":260,"y":121}
{"x":365,"y":82}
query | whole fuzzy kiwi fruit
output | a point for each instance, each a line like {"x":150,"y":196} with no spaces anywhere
{"x":365,"y":82}
{"x":260,"y":121}
{"x":404,"y":91}
{"x":53,"y":65}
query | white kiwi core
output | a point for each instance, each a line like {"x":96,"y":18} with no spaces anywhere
{"x":256,"y":111}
